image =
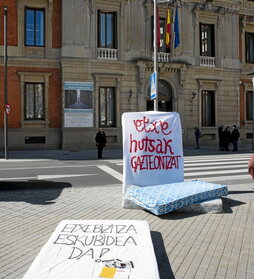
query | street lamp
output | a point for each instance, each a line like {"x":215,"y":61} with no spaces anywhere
{"x":5,"y":84}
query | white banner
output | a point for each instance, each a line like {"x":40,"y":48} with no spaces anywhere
{"x":152,"y":148}
{"x":94,"y":249}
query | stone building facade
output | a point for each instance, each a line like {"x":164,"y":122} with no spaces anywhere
{"x":94,"y":60}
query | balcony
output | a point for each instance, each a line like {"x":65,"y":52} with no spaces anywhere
{"x":207,"y":61}
{"x":107,"y":53}
{"x":162,"y":57}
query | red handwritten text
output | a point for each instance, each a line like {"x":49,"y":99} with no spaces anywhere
{"x":160,"y":146}
{"x":154,"y":162}
{"x":144,"y":125}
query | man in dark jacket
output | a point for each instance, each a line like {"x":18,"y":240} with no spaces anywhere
{"x":198,"y":135}
{"x":220,"y":134}
{"x":235,"y":137}
{"x":101,"y":141}
{"x":226,"y":138}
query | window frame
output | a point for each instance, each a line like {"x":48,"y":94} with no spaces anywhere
{"x":113,"y":29}
{"x":34,"y":30}
{"x":34,"y":101}
{"x":106,"y":106}
{"x":209,"y":52}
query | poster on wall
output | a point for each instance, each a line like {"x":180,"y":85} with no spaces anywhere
{"x":152,"y":148}
{"x":94,"y":249}
{"x":78,"y":110}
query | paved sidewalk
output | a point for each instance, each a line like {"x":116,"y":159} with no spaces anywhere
{"x":186,"y":245}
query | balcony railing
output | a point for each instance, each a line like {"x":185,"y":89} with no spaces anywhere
{"x":107,"y":53}
{"x":207,"y":61}
{"x":162,"y":57}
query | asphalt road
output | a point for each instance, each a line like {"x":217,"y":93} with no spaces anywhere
{"x":229,"y":169}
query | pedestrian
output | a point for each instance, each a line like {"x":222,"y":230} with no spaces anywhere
{"x":235,"y":135}
{"x":101,"y":141}
{"x":220,"y":134}
{"x":251,"y":166}
{"x":226,"y":135}
{"x":198,"y":135}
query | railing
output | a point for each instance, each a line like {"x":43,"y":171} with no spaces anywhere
{"x":107,"y":53}
{"x":162,"y":57}
{"x":207,"y":61}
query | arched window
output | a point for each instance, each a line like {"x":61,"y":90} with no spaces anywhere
{"x":165,"y":97}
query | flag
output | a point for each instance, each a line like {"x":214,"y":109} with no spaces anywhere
{"x":168,"y":31}
{"x":158,"y":27}
{"x":176,"y":30}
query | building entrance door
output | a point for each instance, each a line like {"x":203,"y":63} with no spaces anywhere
{"x":165,"y":97}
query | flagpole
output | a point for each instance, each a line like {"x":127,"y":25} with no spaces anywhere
{"x":5,"y":85}
{"x":155,"y":41}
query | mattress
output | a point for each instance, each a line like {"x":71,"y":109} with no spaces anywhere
{"x":97,"y":249}
{"x":161,"y":199}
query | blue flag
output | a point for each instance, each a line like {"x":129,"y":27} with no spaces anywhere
{"x":176,"y":30}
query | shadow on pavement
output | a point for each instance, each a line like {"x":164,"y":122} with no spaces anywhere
{"x":240,"y":192}
{"x":34,"y":192}
{"x":161,"y":256}
{"x":65,"y":155}
{"x":228,"y":203}
{"x":177,"y":215}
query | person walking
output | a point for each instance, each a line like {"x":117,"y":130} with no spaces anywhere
{"x":198,"y":135}
{"x":235,"y":135}
{"x":220,"y":134}
{"x":101,"y":141}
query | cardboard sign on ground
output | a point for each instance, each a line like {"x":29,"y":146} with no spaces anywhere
{"x":97,"y":249}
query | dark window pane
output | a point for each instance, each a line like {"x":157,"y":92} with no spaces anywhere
{"x":249,"y":114}
{"x":208,"y":108}
{"x":107,"y":30}
{"x":102,"y":107}
{"x":107,"y":107}
{"x":162,"y":46}
{"x":30,"y":27}
{"x":39,"y":28}
{"x":110,"y":107}
{"x":39,"y":102}
{"x":34,"y":101}
{"x":207,"y":40}
{"x":29,"y":113}
{"x":102,"y":30}
{"x":250,"y":47}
